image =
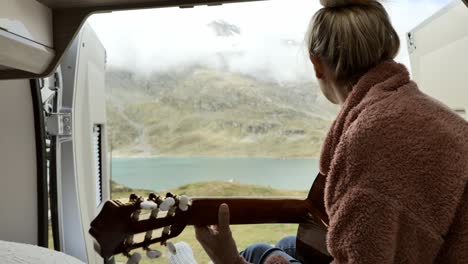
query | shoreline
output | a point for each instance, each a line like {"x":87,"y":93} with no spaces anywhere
{"x":209,"y":157}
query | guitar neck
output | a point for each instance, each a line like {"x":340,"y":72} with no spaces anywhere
{"x":117,"y":222}
{"x":204,"y":211}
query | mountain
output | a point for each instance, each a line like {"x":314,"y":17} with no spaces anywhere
{"x":202,"y":111}
{"x":222,"y":28}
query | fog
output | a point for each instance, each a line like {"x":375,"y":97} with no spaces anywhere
{"x":263,"y":39}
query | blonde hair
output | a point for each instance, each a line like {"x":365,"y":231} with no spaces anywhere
{"x":352,"y":36}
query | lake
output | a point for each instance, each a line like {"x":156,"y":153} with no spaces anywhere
{"x":163,"y":173}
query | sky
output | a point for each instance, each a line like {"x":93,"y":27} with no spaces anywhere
{"x":166,"y":39}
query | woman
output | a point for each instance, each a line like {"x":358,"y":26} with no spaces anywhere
{"x":395,"y":160}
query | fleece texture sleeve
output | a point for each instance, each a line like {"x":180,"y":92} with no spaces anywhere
{"x":388,"y":200}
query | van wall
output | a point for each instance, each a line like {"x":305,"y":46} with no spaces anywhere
{"x":18,"y":186}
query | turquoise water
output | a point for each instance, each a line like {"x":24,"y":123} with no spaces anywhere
{"x":163,"y":173}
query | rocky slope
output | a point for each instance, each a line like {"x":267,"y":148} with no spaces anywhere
{"x":211,"y":112}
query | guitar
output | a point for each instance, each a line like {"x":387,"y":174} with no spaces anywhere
{"x":115,"y":227}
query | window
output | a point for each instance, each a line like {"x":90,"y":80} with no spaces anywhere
{"x":218,"y":101}
{"x":223,"y":94}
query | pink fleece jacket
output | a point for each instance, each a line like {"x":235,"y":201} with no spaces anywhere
{"x":396,"y":162}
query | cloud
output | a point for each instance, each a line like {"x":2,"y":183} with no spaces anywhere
{"x":162,"y":39}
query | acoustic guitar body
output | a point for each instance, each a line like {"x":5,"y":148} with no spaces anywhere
{"x":311,"y":246}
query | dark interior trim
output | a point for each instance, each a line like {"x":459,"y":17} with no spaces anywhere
{"x":41,"y":164}
{"x":466,"y":2}
{"x":53,"y":185}
{"x":53,"y":193}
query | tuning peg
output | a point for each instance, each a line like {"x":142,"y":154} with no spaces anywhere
{"x":154,"y":213}
{"x":183,"y":203}
{"x":153,"y":254}
{"x":135,"y":258}
{"x":166,"y":230}
{"x":133,"y":197}
{"x":148,"y":205}
{"x":172,"y":249}
{"x":183,"y":207}
{"x":184,"y":198}
{"x":167,"y":204}
{"x":136,"y":215}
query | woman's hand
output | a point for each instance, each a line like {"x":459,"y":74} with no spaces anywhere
{"x":217,"y":240}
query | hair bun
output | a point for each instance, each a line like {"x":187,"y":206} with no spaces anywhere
{"x":342,"y":3}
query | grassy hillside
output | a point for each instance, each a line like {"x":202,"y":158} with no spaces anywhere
{"x":208,"y":112}
{"x":212,"y":188}
{"x":244,"y":235}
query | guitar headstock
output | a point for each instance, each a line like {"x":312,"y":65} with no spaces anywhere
{"x":139,"y":223}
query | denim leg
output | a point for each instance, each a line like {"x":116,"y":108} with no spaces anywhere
{"x":256,"y":253}
{"x":288,"y":245}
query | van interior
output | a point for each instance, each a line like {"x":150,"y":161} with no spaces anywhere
{"x":102,"y":99}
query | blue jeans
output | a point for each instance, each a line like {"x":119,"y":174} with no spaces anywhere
{"x":259,"y":252}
